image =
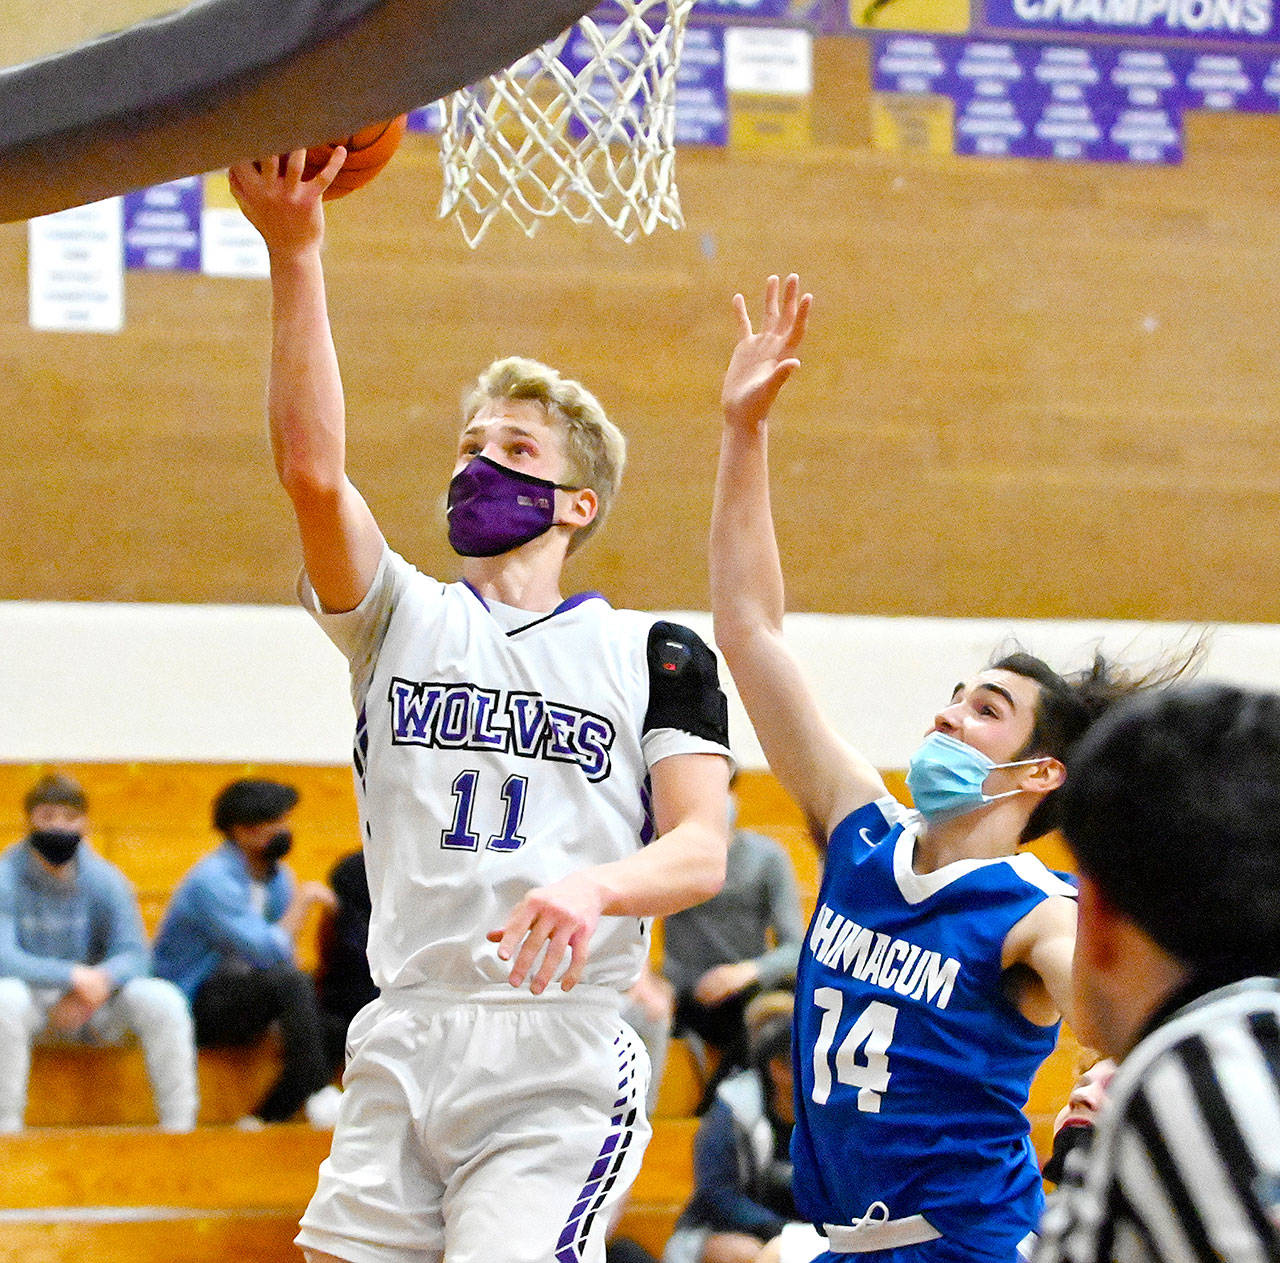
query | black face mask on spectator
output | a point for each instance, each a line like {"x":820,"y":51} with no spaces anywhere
{"x":1074,"y":1136}
{"x":278,"y":846}
{"x":58,"y":846}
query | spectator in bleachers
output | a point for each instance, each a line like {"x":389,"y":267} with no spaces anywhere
{"x":74,"y":964}
{"x":741,"y":1154}
{"x":343,"y":984}
{"x":719,"y":954}
{"x":228,"y":940}
{"x":1073,"y":1127}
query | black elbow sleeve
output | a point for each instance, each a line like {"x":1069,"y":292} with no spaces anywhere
{"x":684,"y":685}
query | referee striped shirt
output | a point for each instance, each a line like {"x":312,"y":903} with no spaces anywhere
{"x":1185,"y":1161}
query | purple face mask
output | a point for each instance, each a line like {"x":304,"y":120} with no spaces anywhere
{"x":493,"y":509}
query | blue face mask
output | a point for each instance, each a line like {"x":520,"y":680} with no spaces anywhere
{"x":946,"y":777}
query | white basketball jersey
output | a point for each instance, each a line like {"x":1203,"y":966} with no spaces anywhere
{"x":489,"y":762}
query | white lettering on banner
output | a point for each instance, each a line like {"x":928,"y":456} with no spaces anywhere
{"x":892,"y":964}
{"x":1247,"y":17}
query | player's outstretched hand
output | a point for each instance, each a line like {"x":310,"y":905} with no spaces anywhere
{"x":283,"y":206}
{"x":764,"y":359}
{"x":558,"y":918}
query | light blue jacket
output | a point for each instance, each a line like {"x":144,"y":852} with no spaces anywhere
{"x":87,"y":915}
{"x":211,"y":919}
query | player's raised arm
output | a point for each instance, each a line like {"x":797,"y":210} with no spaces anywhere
{"x":826,"y":777}
{"x":341,"y":542}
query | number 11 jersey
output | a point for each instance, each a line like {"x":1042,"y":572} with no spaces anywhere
{"x":500,"y":749}
{"x":913,"y":1063}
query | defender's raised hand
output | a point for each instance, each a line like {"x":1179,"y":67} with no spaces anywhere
{"x":764,"y":359}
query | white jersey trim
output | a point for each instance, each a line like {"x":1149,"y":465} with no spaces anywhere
{"x":917,"y":887}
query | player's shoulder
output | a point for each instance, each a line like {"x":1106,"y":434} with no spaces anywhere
{"x":224,"y":863}
{"x":674,"y":648}
{"x":642,"y":620}
{"x":403,"y":577}
{"x":1033,"y":871}
{"x":671,"y":650}
{"x":104,"y":870}
{"x":1224,"y":1041}
{"x":1227,"y":1011}
{"x":10,"y":865}
{"x":871,"y":823}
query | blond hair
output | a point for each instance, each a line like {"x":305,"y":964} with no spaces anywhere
{"x":595,"y":450}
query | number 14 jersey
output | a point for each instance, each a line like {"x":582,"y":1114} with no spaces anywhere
{"x":913,"y":1064}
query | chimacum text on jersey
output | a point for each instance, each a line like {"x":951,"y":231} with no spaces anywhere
{"x":893,"y":964}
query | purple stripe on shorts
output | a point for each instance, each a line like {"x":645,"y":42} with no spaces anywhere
{"x":605,"y":1169}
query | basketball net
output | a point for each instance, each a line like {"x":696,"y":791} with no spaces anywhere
{"x":583,"y":126}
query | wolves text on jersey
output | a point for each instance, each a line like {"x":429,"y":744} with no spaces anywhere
{"x":890,"y":963}
{"x":467,"y":717}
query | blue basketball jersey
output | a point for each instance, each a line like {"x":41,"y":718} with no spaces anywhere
{"x":912,"y":1064}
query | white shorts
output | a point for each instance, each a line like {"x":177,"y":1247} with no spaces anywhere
{"x":485,"y":1128}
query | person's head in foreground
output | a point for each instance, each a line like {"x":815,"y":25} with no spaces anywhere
{"x":1172,"y":812}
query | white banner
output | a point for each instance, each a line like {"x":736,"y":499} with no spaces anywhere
{"x":75,"y":269}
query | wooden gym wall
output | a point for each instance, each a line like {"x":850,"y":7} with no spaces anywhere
{"x":1030,"y":389}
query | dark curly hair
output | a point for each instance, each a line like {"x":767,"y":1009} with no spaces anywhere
{"x":1067,"y":706}
{"x":250,"y":802}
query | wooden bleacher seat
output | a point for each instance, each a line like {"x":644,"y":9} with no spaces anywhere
{"x":682,"y":1083}
{"x":73,"y":1087}
{"x":140,"y":1196}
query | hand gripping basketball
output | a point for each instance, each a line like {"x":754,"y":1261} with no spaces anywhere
{"x":368,"y":151}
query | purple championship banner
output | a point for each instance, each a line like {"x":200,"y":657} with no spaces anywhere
{"x":702,"y":99}
{"x":162,"y":226}
{"x":828,"y":16}
{"x":751,"y":8}
{"x":1057,"y":101}
{"x":1089,"y":102}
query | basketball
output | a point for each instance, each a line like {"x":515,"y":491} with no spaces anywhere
{"x":368,"y":151}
